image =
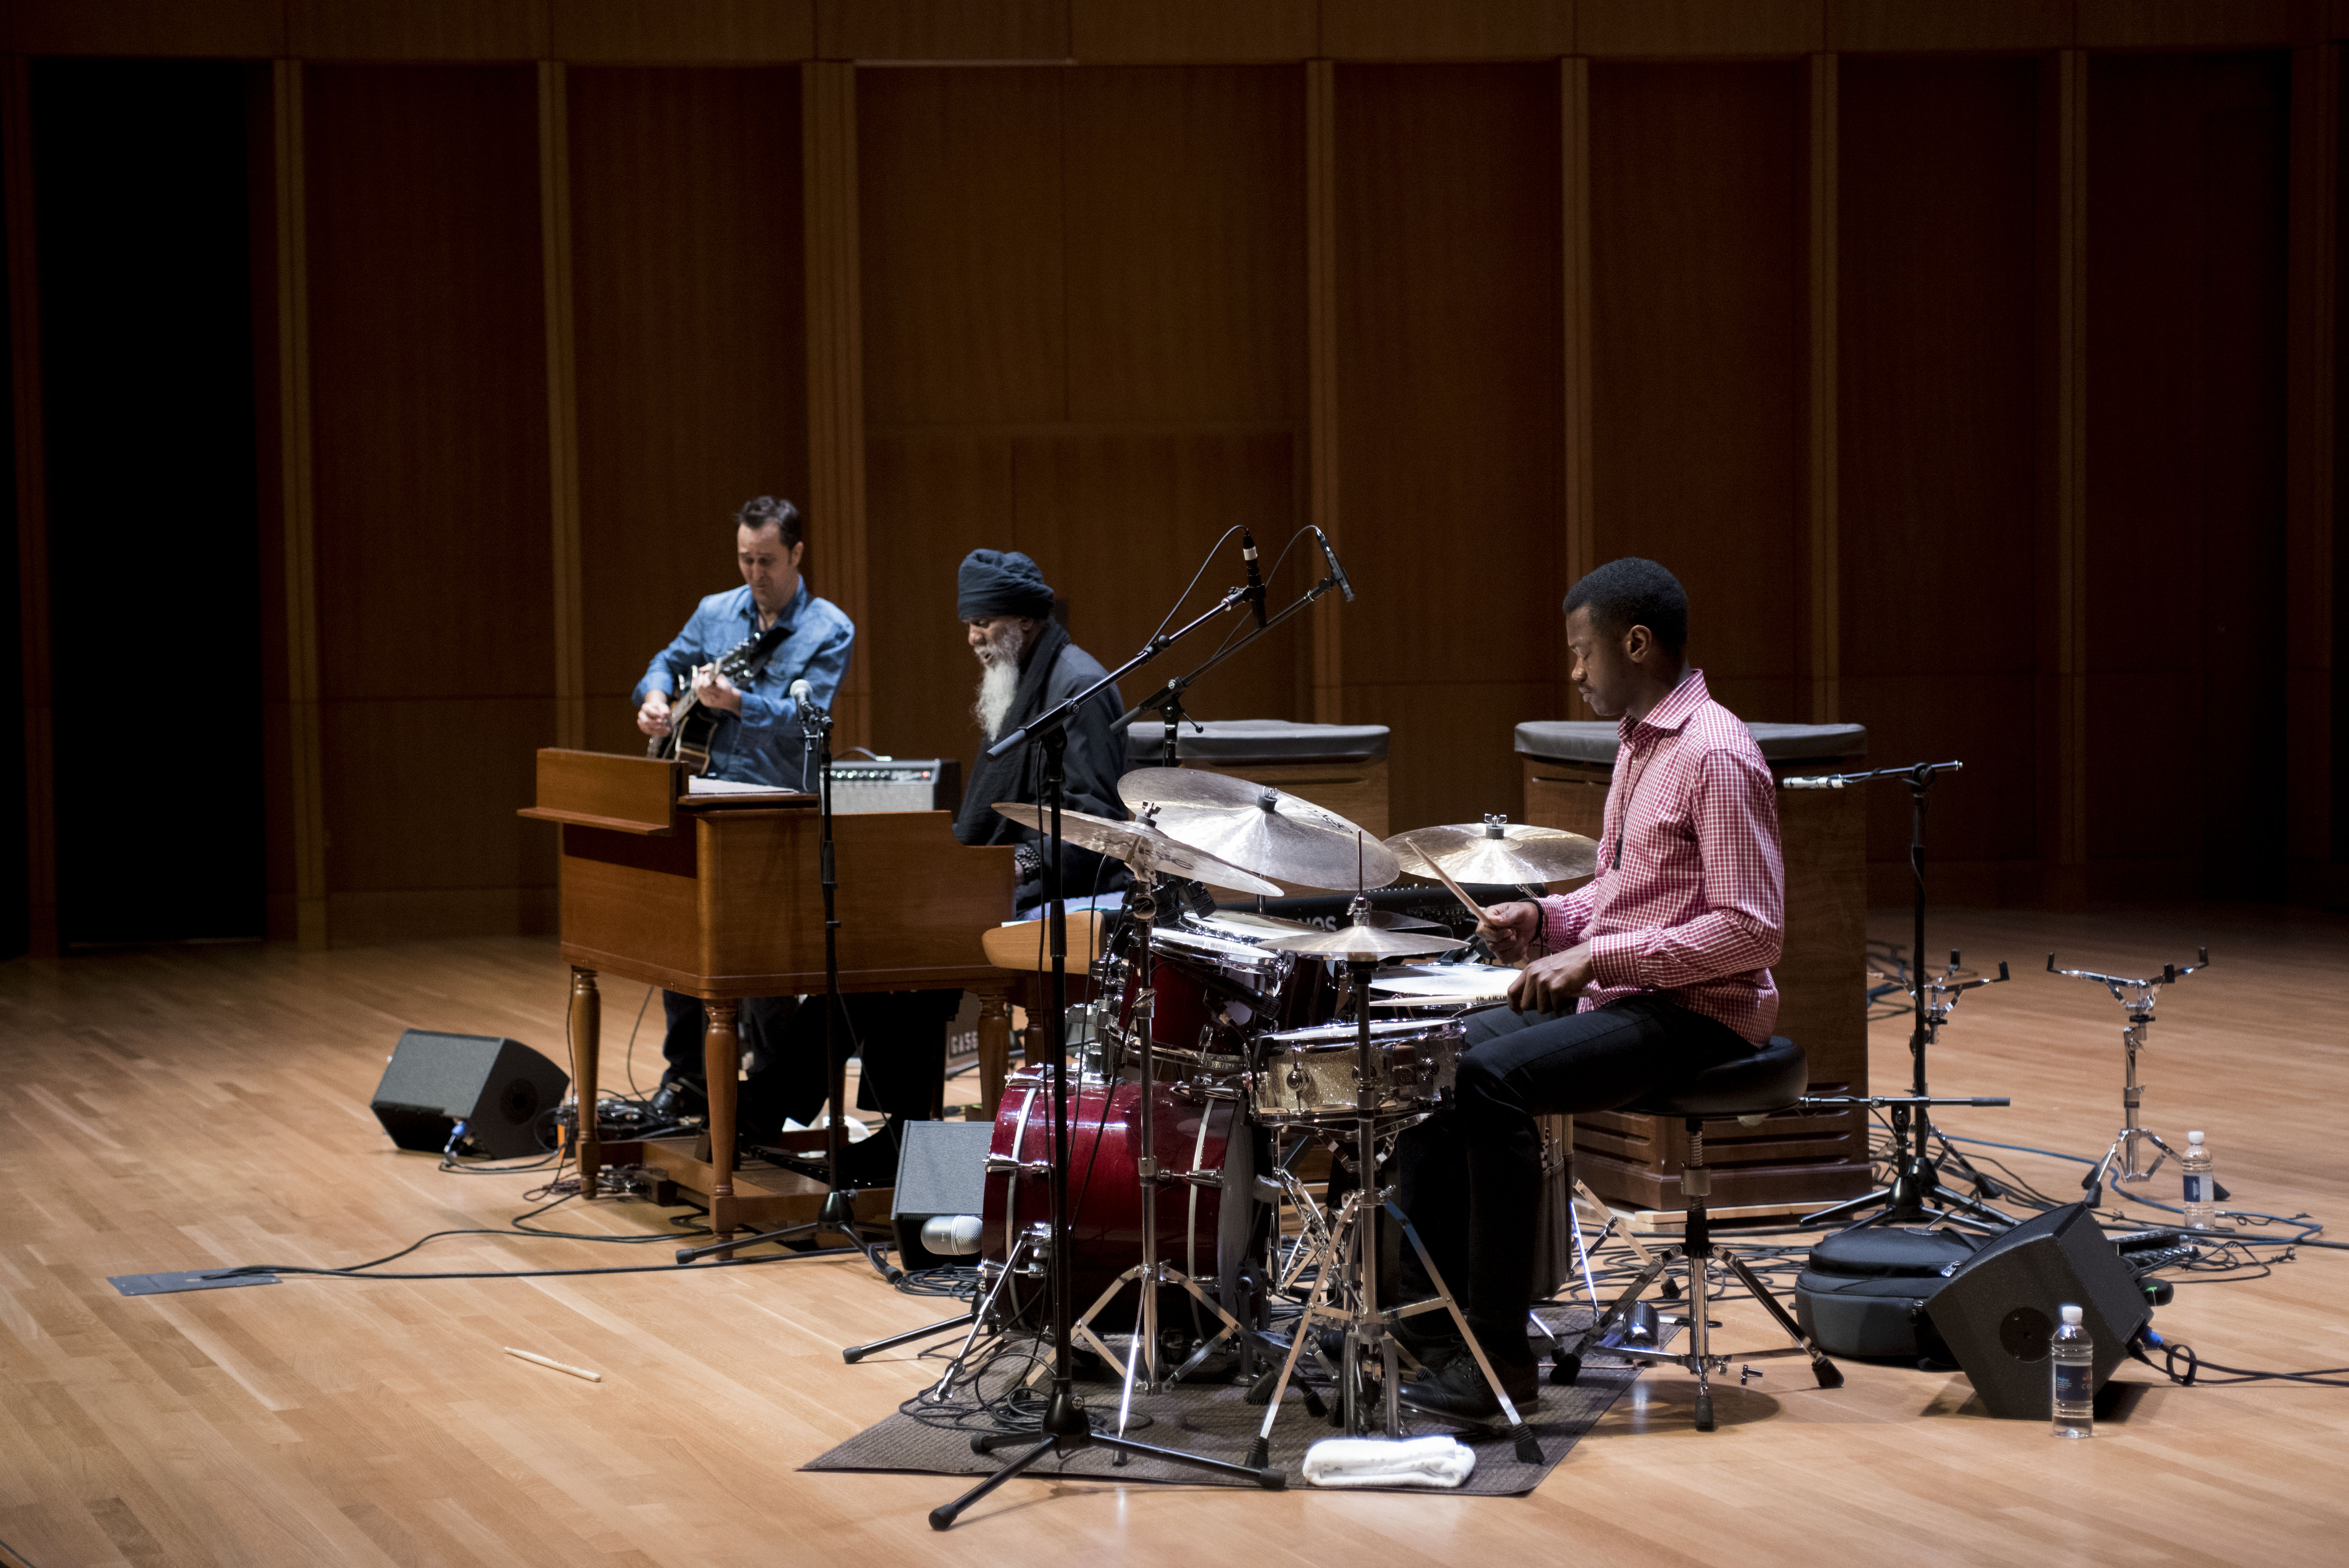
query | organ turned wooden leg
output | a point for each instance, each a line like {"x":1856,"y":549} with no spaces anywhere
{"x":994,"y":1046}
{"x":722,"y":1065}
{"x":586,"y":1033}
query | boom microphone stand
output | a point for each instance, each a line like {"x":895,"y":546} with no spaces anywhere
{"x":1916,"y":1194}
{"x":1066,"y":1428}
{"x":838,"y":1215}
{"x":1167,"y":701}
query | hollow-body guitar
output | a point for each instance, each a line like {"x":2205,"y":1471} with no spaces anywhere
{"x":691,"y":721}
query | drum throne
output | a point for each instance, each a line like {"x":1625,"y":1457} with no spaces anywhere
{"x":1749,"y":1089}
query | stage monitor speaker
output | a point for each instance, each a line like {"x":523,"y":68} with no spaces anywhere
{"x":497,"y":1088}
{"x":1997,"y":1311}
{"x":941,"y":1170}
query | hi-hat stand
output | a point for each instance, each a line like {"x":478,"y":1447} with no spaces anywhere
{"x":837,"y":1215}
{"x":1917,"y":1195}
{"x":1346,"y":1286}
{"x":1066,"y":1430}
{"x":2128,"y":1145}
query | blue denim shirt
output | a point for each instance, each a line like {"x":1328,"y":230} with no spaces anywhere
{"x":766,"y":745}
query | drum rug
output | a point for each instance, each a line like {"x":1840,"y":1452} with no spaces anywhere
{"x":1216,"y":1421}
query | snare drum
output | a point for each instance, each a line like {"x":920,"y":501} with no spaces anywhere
{"x":1308,"y":1077}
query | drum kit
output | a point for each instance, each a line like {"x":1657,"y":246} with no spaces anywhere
{"x":1217,"y":1050}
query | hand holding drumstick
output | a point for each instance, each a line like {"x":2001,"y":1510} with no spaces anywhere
{"x":1549,"y":983}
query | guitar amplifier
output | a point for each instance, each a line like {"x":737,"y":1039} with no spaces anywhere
{"x":897,"y":784}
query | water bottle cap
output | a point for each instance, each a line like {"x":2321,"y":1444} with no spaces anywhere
{"x":2071,"y":1313}
{"x":2193,"y":1137}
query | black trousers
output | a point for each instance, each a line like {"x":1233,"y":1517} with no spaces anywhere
{"x":762,"y":1025}
{"x":900,"y":1034}
{"x":1470,"y":1177}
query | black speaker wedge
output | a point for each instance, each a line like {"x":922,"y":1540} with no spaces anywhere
{"x":497,"y":1088}
{"x":1999,"y":1307}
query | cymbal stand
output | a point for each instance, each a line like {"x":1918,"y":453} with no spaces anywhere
{"x":1141,"y":1364}
{"x":1066,"y":1428}
{"x":2128,"y":1145}
{"x":1916,"y":1193}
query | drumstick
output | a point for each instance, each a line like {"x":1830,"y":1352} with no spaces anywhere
{"x":559,"y":1366}
{"x":1459,"y":893}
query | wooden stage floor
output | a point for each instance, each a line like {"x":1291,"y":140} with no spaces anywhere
{"x":188,"y":1108}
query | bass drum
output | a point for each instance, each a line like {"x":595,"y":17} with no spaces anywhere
{"x":1209,"y":1227}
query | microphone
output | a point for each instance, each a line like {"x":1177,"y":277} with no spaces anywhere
{"x":804,"y":695}
{"x":1256,"y":582}
{"x":1335,"y":570}
{"x":1820,"y":781}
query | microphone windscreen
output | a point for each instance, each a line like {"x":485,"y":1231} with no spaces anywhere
{"x":952,"y":1235}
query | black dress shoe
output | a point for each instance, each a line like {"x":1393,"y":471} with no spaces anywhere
{"x":1458,"y":1388}
{"x":678,"y":1099}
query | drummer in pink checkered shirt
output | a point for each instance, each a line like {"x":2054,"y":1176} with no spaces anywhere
{"x":1656,"y":969}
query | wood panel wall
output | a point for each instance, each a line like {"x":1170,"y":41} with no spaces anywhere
{"x":2186,"y":425}
{"x":1941,"y":423}
{"x":1084,"y":318}
{"x":689,"y":319}
{"x":1698,"y":270}
{"x":433,"y":563}
{"x":1449,"y":420}
{"x":1905,"y":332}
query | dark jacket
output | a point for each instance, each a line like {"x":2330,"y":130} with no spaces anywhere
{"x":1053,"y":670}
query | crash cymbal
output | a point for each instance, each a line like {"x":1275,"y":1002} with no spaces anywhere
{"x":1268,"y":830}
{"x":1362,"y":942}
{"x":1499,"y":850}
{"x":1143,"y":848}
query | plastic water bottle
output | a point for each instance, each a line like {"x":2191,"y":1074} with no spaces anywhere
{"x":2071,"y":1372}
{"x":2200,"y":1208}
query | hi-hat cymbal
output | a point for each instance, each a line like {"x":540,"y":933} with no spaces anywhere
{"x":1255,"y":924}
{"x":1447,"y":980}
{"x":1269,"y":832}
{"x":1362,"y":942}
{"x":1143,"y":848}
{"x":1499,"y":850}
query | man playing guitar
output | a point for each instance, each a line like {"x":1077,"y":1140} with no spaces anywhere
{"x":758,"y":737}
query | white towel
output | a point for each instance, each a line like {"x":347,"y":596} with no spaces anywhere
{"x":1389,"y":1462}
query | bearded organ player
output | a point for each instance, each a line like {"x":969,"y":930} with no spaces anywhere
{"x":1656,"y":969}
{"x":1027,"y":667}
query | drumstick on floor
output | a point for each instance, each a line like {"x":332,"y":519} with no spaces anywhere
{"x":533,"y":1355}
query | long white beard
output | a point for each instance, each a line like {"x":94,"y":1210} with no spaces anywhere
{"x":998,"y":684}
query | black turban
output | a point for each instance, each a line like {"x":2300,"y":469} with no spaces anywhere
{"x":1000,"y":582}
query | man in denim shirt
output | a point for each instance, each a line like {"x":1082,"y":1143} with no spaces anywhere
{"x":758,"y":741}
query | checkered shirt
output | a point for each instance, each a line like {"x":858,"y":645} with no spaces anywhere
{"x":1690,"y":899}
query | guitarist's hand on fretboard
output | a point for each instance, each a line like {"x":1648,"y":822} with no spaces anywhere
{"x":712,"y":690}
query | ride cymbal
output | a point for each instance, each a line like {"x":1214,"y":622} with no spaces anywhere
{"x":1140,"y":846}
{"x":1269,"y":832}
{"x":1498,"y":851}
